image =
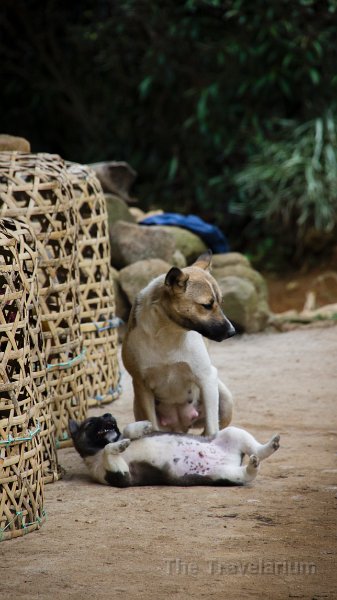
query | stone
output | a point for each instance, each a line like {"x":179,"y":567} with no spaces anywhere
{"x":122,"y":303}
{"x":135,"y":277}
{"x":244,"y":303}
{"x":131,"y":243}
{"x":137,"y":213}
{"x":153,"y":213}
{"x":239,"y":303}
{"x":12,"y":142}
{"x":245,"y":297}
{"x":179,"y":260}
{"x":116,"y":177}
{"x":229,"y":258}
{"x":189,"y":244}
{"x":118,"y":209}
{"x":244,"y":272}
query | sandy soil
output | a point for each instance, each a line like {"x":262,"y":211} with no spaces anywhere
{"x":290,"y":291}
{"x":274,"y":539}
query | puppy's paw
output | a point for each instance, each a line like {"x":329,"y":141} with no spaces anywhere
{"x":147,"y":427}
{"x":123,"y":444}
{"x":275,"y":442}
{"x":136,"y":430}
{"x":253,"y":461}
{"x":117,"y":447}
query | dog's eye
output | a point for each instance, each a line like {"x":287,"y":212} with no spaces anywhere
{"x":208,"y":306}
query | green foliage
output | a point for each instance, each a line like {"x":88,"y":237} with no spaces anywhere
{"x":290,"y":182}
{"x":187,"y":92}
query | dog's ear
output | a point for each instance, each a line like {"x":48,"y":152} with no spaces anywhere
{"x":204,"y":261}
{"x":73,"y":427}
{"x":176,"y":278}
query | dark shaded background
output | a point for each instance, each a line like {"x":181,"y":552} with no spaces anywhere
{"x":205,"y":99}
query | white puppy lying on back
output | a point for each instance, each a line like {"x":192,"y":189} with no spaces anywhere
{"x":145,"y":458}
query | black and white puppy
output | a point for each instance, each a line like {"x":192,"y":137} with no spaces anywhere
{"x":140,"y":457}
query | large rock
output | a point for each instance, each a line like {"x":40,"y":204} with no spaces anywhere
{"x":179,"y":260}
{"x":131,"y":243}
{"x":243,"y":305}
{"x":12,"y":142}
{"x":140,"y":214}
{"x":135,"y":277}
{"x":240,"y":303}
{"x":116,"y":177}
{"x":229,"y":258}
{"x":137,"y":213}
{"x":245,"y":293}
{"x":189,"y":244}
{"x":118,"y":209}
{"x":244,"y":272}
{"x":122,"y":303}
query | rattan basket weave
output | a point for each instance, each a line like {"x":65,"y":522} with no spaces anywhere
{"x":97,"y":302}
{"x":21,"y":458}
{"x":37,"y":188}
{"x":50,"y":468}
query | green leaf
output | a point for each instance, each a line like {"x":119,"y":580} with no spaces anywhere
{"x":144,"y":87}
{"x":173,"y":167}
{"x":202,"y":106}
{"x":314,"y":76}
{"x":214,"y":181}
{"x":318,"y":47}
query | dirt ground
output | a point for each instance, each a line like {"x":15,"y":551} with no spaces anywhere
{"x":291,"y":290}
{"x":275,"y":538}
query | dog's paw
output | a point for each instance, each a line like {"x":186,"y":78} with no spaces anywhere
{"x":253,"y":461}
{"x":117,"y":447}
{"x":136,"y":430}
{"x":147,"y":427}
{"x":123,"y":444}
{"x":275,"y":442}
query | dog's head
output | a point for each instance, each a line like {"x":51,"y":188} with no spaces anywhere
{"x":93,"y":434}
{"x":193,"y":300}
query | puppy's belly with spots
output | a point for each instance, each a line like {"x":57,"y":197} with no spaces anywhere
{"x":181,"y":456}
{"x":199,"y":458}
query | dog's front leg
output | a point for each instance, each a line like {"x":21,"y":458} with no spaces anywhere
{"x":116,"y":468}
{"x":144,"y":404}
{"x":136,"y":430}
{"x":225,"y":405}
{"x":210,"y":398}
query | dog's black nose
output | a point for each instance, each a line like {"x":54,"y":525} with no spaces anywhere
{"x":231,"y":331}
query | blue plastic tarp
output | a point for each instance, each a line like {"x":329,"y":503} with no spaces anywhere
{"x":210,"y":234}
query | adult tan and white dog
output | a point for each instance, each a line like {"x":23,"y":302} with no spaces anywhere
{"x":165,"y":352}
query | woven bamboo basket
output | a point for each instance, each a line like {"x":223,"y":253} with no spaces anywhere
{"x":50,"y":468}
{"x":37,"y":188}
{"x":97,"y":303}
{"x":21,"y":458}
